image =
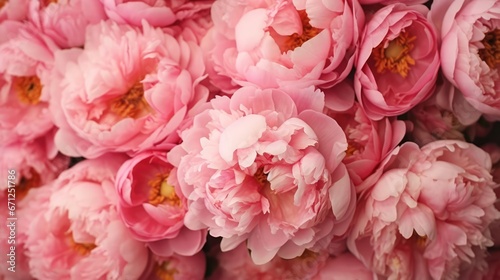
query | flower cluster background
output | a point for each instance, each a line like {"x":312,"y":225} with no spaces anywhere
{"x":249,"y":139}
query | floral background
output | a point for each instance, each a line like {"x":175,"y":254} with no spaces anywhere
{"x":250,"y":139}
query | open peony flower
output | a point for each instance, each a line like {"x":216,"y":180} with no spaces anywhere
{"x":127,"y":91}
{"x":158,"y":13}
{"x":282,"y":43}
{"x":397,"y":61}
{"x":153,"y":207}
{"x":470,"y":34}
{"x":266,"y":167}
{"x":369,"y":141}
{"x":428,"y":213}
{"x":78,"y":234}
{"x":26,"y":59}
{"x":445,"y":115}
{"x":176,"y":267}
{"x":237,"y":264}
{"x":65,"y":21}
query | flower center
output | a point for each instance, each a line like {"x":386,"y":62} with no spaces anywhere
{"x":28,"y":183}
{"x":261,"y":178}
{"x":162,"y":192}
{"x":395,"y":57}
{"x":163,"y":271}
{"x":82,"y":249}
{"x":3,"y":3}
{"x":28,"y":89}
{"x":132,"y":104}
{"x":45,"y":3}
{"x":295,"y":40}
{"x":491,"y":51}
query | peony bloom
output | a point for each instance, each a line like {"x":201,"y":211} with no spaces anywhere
{"x":26,"y":59}
{"x":428,"y":213}
{"x":470,"y":34}
{"x":446,"y":115}
{"x":282,"y":43}
{"x":13,"y":10}
{"x":237,"y":264}
{"x":78,"y":233}
{"x":153,"y":207}
{"x":369,"y":141}
{"x":65,"y":21}
{"x":34,"y":164}
{"x":158,"y":13}
{"x":127,"y":91}
{"x":265,"y":167}
{"x":397,"y":61}
{"x":176,"y":267}
{"x":345,"y":266}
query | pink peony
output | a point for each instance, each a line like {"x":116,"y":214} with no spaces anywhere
{"x":33,"y":164}
{"x":344,"y":267}
{"x":237,"y":264}
{"x":78,"y":233}
{"x":397,"y":62}
{"x":176,"y":267}
{"x":26,"y":59}
{"x":369,"y":141}
{"x":13,"y":10}
{"x":127,"y":91}
{"x":158,"y":13}
{"x":470,"y":34}
{"x":265,"y":167}
{"x":428,"y":213}
{"x":282,"y":43}
{"x":446,"y":115}
{"x":153,"y":207}
{"x":65,"y":21}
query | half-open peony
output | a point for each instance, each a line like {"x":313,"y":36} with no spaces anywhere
{"x":153,"y":207}
{"x":445,"y":115}
{"x":282,"y":43}
{"x":397,"y":61}
{"x":266,"y":167}
{"x":128,"y":90}
{"x":428,"y":213}
{"x":470,"y":36}
{"x":369,"y":141}
{"x":78,"y":233}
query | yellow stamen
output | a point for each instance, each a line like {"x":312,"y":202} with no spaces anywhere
{"x":25,"y":184}
{"x":132,"y":104}
{"x":295,"y":40}
{"x":396,"y":56}
{"x":82,"y":249}
{"x":261,"y":178}
{"x":491,"y":51}
{"x":162,"y":192}
{"x":163,"y":271}
{"x":28,"y":89}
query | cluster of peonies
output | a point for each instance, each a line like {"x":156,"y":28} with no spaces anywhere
{"x":250,"y":139}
